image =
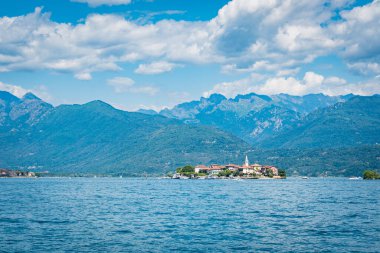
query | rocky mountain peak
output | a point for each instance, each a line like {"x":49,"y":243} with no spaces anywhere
{"x":30,"y":96}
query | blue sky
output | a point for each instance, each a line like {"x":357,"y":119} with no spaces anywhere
{"x":157,"y":53}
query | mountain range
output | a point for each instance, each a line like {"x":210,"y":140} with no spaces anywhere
{"x":252,"y":117}
{"x":95,"y":137}
{"x":309,"y":135}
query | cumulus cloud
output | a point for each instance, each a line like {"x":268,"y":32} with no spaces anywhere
{"x":359,"y":28}
{"x":279,"y":33}
{"x":83,"y":76}
{"x":310,"y":83}
{"x":101,"y":43}
{"x":127,"y":85}
{"x":231,"y":89}
{"x":41,"y":91}
{"x":272,"y":36}
{"x":95,"y":3}
{"x":155,"y":68}
{"x":18,"y":91}
{"x":149,"y":107}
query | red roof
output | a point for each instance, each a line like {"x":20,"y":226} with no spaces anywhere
{"x":212,"y":168}
{"x":217,"y":166}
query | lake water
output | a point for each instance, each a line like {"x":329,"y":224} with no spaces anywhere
{"x":152,"y":215}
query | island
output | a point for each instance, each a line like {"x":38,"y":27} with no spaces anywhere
{"x":229,"y":171}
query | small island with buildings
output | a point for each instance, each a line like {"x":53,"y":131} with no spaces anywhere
{"x":229,"y":171}
{"x":16,"y":173}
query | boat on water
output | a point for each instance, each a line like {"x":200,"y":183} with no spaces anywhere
{"x":178,"y":176}
{"x":355,"y":178}
{"x":175,"y":176}
{"x":305,"y":177}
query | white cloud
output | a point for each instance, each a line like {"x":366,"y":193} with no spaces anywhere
{"x":274,"y":32}
{"x":121,"y":84}
{"x":151,"y":107}
{"x":271,"y":36}
{"x":310,"y":83}
{"x":359,"y":28}
{"x":101,"y":43}
{"x":95,"y":3}
{"x":288,"y":72}
{"x":299,"y":38}
{"x":231,"y":89}
{"x":127,"y":85}
{"x":365,"y":67}
{"x":83,"y":76}
{"x":18,"y":91}
{"x":40,"y":91}
{"x":155,"y":68}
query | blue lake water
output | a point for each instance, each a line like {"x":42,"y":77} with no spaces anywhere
{"x":152,"y":215}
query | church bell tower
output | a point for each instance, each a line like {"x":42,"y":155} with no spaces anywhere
{"x":246,"y":162}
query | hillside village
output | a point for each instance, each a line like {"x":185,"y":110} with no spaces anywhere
{"x":234,"y":171}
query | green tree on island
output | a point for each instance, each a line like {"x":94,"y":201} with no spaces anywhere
{"x":282,"y":173}
{"x":225,"y":173}
{"x":187,"y":170}
{"x":371,"y":174}
{"x":269,"y":173}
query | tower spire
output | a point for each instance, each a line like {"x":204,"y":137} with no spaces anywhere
{"x":246,"y":163}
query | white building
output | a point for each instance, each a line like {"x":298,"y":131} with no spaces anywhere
{"x":200,"y":168}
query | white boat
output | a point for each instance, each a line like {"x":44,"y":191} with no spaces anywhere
{"x":305,"y":178}
{"x":355,"y":178}
{"x":176,"y":176}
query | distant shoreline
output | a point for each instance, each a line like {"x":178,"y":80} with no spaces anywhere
{"x":161,"y":178}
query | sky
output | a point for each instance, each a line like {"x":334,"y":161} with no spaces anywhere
{"x":154,"y":54}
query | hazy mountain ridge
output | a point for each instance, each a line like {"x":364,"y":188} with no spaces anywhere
{"x":352,"y":123}
{"x":95,"y":137}
{"x":252,"y":117}
{"x":342,"y":161}
{"x":16,"y":112}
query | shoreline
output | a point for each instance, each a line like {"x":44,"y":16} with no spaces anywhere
{"x":160,"y":177}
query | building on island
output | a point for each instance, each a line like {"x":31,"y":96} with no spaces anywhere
{"x":213,"y":169}
{"x":269,"y":168}
{"x":200,"y":168}
{"x":244,"y":170}
{"x":16,"y":173}
{"x":233,"y":167}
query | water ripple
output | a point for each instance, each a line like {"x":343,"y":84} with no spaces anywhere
{"x":139,"y":215}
